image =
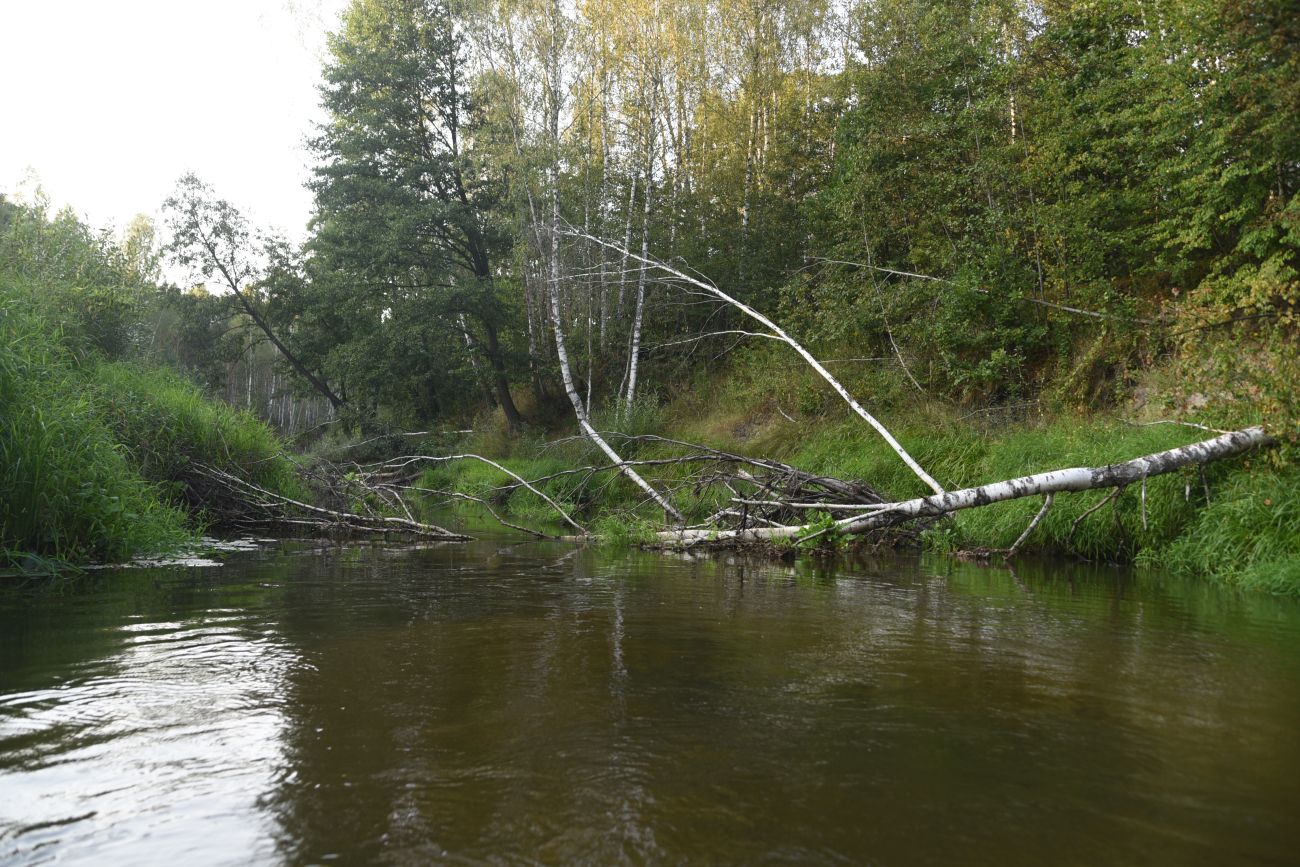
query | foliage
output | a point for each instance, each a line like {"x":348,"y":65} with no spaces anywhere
{"x":92,"y":286}
{"x":67,"y":491}
{"x":1248,"y":534}
{"x":994,"y":202}
{"x":166,"y":425}
{"x":96,"y":452}
{"x":405,"y":236}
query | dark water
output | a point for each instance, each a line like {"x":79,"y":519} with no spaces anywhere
{"x":528,"y":703}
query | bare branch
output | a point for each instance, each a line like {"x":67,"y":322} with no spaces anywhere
{"x":781,"y":335}
{"x":1047,"y":504}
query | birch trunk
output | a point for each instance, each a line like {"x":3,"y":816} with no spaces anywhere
{"x":634,"y":354}
{"x":557,"y":321}
{"x":1057,"y":481}
{"x":779,"y":333}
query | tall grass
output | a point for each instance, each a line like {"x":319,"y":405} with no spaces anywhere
{"x":97,"y":459}
{"x":167,"y":425}
{"x":67,"y":491}
{"x":1249,"y":534}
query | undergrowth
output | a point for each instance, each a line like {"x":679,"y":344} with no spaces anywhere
{"x":167,"y":426}
{"x":1238,"y":523}
{"x":68,"y":493}
{"x":96,"y":458}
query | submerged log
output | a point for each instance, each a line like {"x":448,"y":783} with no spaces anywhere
{"x":1056,"y":481}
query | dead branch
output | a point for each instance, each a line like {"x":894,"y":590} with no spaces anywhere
{"x":1091,"y":314}
{"x":1015,"y":546}
{"x":1056,"y":481}
{"x":781,"y":335}
{"x":407,"y":460}
{"x":1112,"y":496}
{"x":456,"y":495}
{"x":262,"y":507}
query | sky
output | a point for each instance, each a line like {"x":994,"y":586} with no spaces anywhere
{"x":108,"y":102}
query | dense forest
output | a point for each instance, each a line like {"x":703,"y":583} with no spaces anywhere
{"x":1004,"y":226}
{"x":998,"y":201}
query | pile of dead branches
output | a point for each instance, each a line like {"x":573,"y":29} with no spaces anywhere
{"x":235,"y":502}
{"x":738,"y":500}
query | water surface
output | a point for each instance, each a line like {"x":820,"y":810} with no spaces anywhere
{"x":534,"y":703}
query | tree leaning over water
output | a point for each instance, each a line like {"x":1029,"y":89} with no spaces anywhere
{"x":212,"y":237}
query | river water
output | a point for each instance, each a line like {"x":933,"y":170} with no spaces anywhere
{"x":513,"y":703}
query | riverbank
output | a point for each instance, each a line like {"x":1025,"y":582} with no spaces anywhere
{"x":1238,"y":523}
{"x":97,"y":462}
{"x":96,"y":456}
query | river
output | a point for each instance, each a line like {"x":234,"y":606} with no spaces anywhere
{"x":532,"y":703}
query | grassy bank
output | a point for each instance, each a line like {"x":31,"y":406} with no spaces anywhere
{"x":94,"y":455}
{"x":1238,"y":524}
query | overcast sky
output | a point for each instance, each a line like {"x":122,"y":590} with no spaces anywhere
{"x":110,"y":101}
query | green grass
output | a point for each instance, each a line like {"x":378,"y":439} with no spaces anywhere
{"x":166,"y":424}
{"x":68,"y":492}
{"x":96,"y":458}
{"x":1247,"y":535}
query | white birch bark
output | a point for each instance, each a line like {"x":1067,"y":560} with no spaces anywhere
{"x":1040,"y":484}
{"x":634,"y":354}
{"x":580,"y":411}
{"x":780,"y":334}
{"x":557,"y":322}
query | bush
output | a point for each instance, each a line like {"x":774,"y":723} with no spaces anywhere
{"x":167,"y":425}
{"x":97,"y":458}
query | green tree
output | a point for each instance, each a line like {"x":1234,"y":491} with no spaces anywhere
{"x":404,"y":213}
{"x":212,"y":237}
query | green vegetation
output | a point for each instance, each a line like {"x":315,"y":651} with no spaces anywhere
{"x":1066,"y":203}
{"x":1002,"y":226}
{"x":67,"y":491}
{"x":1238,"y":524}
{"x":95,"y":453}
{"x":165,"y":424}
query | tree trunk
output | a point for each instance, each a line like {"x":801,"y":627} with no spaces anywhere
{"x":778,"y":333}
{"x":499,"y":379}
{"x":1056,"y":481}
{"x":298,"y":366}
{"x":634,"y":353}
{"x":557,"y":323}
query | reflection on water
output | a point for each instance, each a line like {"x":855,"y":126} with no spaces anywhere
{"x":168,"y":737}
{"x":530,"y":702}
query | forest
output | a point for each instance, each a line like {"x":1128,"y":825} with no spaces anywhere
{"x":636,"y":270}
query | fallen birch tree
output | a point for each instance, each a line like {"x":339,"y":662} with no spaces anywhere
{"x":748,"y":500}
{"x":1046,"y":484}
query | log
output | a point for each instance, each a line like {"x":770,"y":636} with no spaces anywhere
{"x":1040,"y":484}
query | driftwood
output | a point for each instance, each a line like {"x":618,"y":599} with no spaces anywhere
{"x":392,"y":474}
{"x":1041,"y":484}
{"x":246,"y":504}
{"x":750,"y":499}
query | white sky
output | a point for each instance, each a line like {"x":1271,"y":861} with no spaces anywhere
{"x":110,"y":101}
